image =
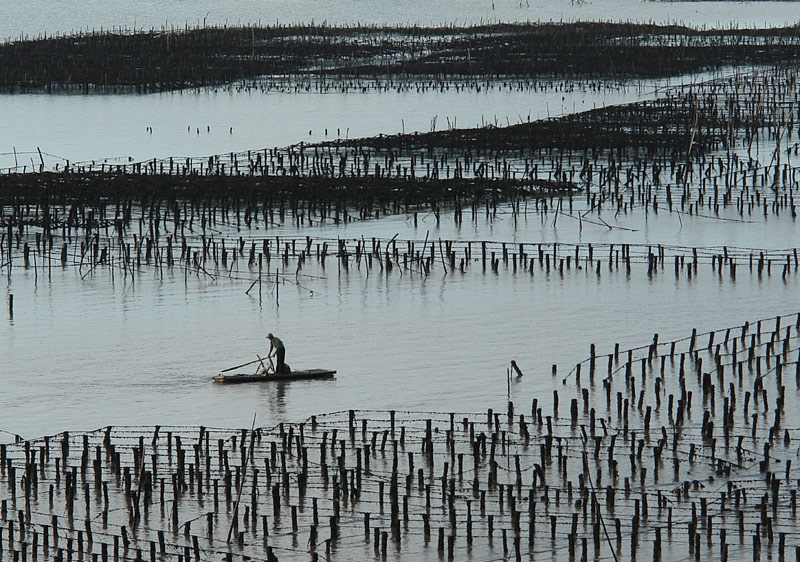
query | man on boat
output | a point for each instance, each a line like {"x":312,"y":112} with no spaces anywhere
{"x":277,"y":349}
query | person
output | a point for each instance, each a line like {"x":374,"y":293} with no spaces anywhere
{"x":277,"y":348}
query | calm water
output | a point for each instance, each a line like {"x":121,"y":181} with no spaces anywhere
{"x":68,"y":16}
{"x":81,"y":354}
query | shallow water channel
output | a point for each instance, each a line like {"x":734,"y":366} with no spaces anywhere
{"x":132,"y":127}
{"x":87,"y":350}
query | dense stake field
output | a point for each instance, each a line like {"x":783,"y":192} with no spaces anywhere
{"x":678,"y":449}
{"x":693,"y":152}
{"x":167,"y":60}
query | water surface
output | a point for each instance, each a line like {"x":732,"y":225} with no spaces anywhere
{"x":132,"y":127}
{"x":69,"y":16}
{"x":80,"y":354}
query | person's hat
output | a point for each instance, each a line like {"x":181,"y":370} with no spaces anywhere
{"x":269,"y":336}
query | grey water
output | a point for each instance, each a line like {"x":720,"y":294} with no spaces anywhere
{"x":87,"y":352}
{"x":196,"y":123}
{"x":39,"y":17}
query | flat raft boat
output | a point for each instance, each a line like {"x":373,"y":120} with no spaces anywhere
{"x":294,"y":375}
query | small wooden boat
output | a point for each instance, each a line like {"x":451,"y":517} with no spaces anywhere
{"x":294,"y":375}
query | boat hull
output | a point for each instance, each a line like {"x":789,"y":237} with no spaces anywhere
{"x":294,"y":375}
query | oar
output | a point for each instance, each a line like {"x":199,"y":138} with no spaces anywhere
{"x":240,"y":366}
